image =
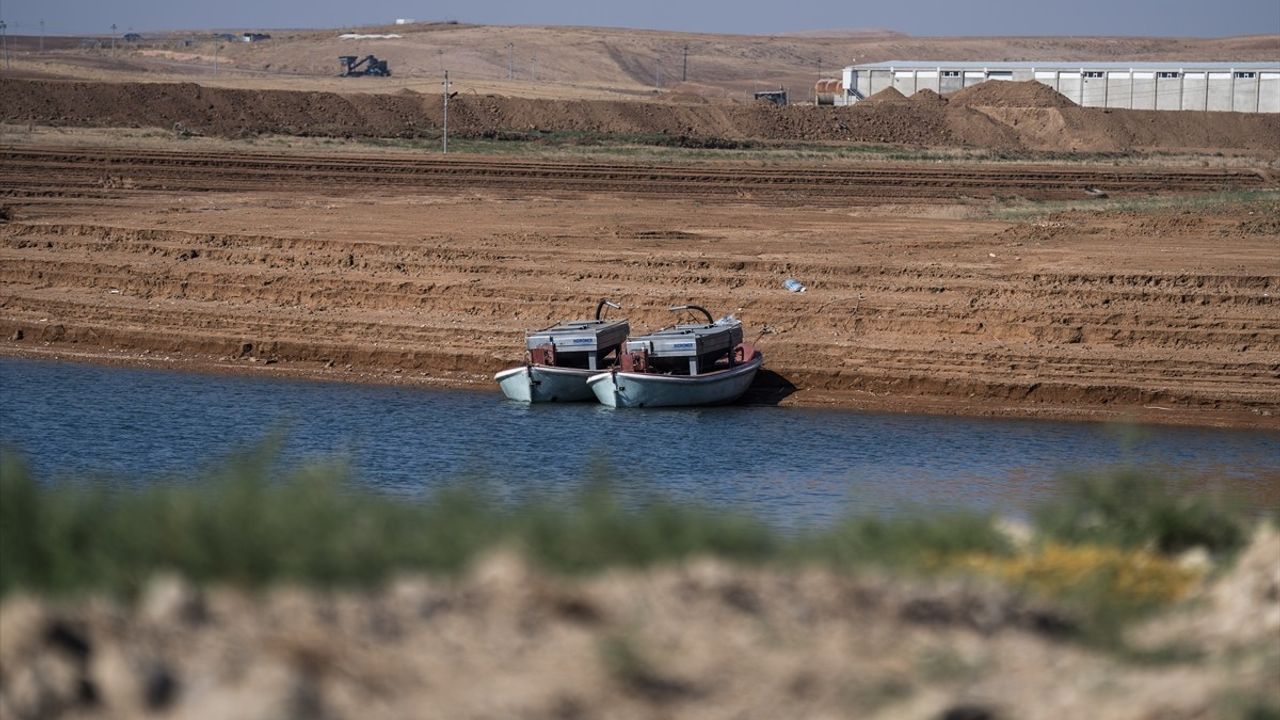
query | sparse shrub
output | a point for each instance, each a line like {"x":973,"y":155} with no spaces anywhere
{"x":1105,"y":548}
{"x":1135,"y":508}
{"x":232,"y":525}
{"x":247,"y":523}
{"x":1133,"y":578}
{"x":594,"y":531}
{"x":924,"y":541}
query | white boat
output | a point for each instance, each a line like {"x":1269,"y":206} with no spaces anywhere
{"x":544,"y":383}
{"x":683,"y":365}
{"x":559,"y":359}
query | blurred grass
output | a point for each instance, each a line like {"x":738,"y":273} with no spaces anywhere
{"x":1107,"y":547}
{"x":243,"y":523}
{"x":1134,"y":508}
{"x":1103,"y":586}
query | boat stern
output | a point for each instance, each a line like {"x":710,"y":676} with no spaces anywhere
{"x":516,"y":383}
{"x":605,"y":388}
{"x":539,"y":384}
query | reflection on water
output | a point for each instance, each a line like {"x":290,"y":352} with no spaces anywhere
{"x":788,"y":465}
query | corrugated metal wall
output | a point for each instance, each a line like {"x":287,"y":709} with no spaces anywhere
{"x":1219,"y":90}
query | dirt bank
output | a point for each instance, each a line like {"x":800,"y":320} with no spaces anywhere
{"x":1003,"y":117}
{"x":704,"y":640}
{"x":924,"y":294}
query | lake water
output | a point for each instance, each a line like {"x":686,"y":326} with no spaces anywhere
{"x":789,"y":465}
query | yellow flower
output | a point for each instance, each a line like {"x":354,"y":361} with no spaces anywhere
{"x":1135,"y":577}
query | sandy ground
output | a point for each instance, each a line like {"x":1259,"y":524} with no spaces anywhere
{"x":702,"y":640}
{"x":942,"y":288}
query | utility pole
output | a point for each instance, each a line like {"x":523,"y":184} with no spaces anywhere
{"x":684,"y":68}
{"x":446,"y":112}
{"x":510,"y":61}
{"x":41,"y":35}
{"x":217,"y":45}
{"x":113,"y":36}
{"x":4,"y":42}
{"x":534,"y":72}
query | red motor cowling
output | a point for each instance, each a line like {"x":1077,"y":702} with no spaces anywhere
{"x":544,"y":354}
{"x":635,"y":361}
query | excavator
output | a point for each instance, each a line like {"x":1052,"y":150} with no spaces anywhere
{"x":353,"y":66}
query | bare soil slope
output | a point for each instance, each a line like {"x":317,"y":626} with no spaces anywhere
{"x":404,"y":268}
{"x":993,"y":115}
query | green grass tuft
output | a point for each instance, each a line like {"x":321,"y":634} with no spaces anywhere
{"x":247,"y":523}
{"x":1132,"y":508}
{"x":1038,"y":210}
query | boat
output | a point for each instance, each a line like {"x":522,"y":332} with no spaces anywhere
{"x":560,"y":358}
{"x":682,"y":365}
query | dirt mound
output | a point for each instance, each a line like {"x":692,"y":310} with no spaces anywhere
{"x":701,"y":640}
{"x":928,"y":98}
{"x":999,"y":115}
{"x":889,"y":95}
{"x":684,"y":98}
{"x":1003,"y":93}
{"x":689,"y":93}
{"x":1240,"y":606}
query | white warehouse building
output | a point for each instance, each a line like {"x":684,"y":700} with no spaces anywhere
{"x":1223,"y":86}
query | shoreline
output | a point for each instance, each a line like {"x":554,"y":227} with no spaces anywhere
{"x":1013,"y":298}
{"x":852,"y":401}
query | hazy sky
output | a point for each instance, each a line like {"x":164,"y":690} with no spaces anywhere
{"x":917,"y":17}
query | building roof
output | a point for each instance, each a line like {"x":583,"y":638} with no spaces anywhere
{"x":1065,"y":65}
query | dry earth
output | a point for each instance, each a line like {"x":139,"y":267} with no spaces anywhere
{"x":1005,"y":116}
{"x":925,"y":294}
{"x":700,"y":641}
{"x":576,"y":62}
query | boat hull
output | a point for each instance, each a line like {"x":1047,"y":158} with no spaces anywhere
{"x":629,"y":389}
{"x":542,"y":383}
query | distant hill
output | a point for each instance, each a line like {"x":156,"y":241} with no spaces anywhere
{"x":845,"y":33}
{"x":573,"y":62}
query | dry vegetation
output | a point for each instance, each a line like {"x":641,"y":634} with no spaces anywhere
{"x":246,"y":594}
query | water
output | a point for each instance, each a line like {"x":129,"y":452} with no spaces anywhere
{"x":790,"y":466}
